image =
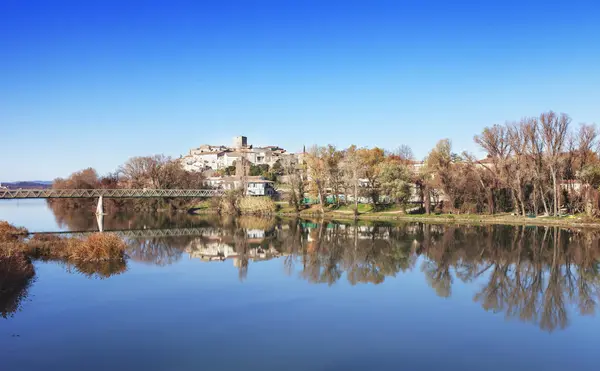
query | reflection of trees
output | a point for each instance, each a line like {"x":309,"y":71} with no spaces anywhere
{"x":159,"y":251}
{"x":16,"y":276}
{"x":364,"y":253}
{"x":83,"y":218}
{"x":101,"y":270}
{"x":531,"y":273}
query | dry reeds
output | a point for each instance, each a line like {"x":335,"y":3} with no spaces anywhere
{"x":10,"y":233}
{"x":256,"y":205}
{"x":97,"y":247}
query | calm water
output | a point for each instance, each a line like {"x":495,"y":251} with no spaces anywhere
{"x":298,"y":295}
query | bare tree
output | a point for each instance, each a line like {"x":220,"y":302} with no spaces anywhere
{"x":587,"y":143}
{"x":292,"y":172}
{"x":518,"y":162}
{"x":537,"y":162}
{"x":554,"y":129}
{"x":495,"y":141}
{"x":405,"y":154}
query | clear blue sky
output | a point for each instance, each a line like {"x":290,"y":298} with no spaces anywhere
{"x":92,"y":83}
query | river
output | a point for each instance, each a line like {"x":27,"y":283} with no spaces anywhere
{"x":203,"y":293}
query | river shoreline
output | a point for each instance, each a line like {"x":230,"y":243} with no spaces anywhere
{"x":474,"y":219}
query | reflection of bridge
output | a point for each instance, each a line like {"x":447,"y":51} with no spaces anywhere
{"x":144,"y":233}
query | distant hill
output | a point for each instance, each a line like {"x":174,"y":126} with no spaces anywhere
{"x":30,"y":184}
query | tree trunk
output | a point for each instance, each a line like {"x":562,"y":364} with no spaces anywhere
{"x":535,"y":204}
{"x":522,"y":201}
{"x":544,"y":201}
{"x":491,"y":206}
{"x":589,"y":206}
{"x":514,"y":200}
{"x":555,"y":193}
{"x":356,"y":197}
{"x":321,"y":197}
{"x":427,"y":197}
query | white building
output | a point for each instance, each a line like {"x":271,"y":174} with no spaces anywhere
{"x":255,"y":185}
{"x":219,"y":157}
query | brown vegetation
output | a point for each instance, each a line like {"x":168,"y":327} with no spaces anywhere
{"x":97,"y":247}
{"x":233,"y":202}
{"x":10,"y":233}
{"x":155,"y":172}
{"x":256,"y":205}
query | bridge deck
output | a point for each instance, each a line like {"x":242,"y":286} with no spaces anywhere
{"x":108,"y":193}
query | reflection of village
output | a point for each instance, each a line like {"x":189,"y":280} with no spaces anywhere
{"x":220,"y":247}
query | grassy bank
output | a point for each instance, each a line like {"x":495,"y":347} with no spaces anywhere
{"x":366,"y":212}
{"x":344,"y":214}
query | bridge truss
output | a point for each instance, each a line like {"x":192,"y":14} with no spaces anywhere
{"x":109,"y":193}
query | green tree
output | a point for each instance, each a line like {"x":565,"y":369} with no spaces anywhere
{"x":395,"y":180}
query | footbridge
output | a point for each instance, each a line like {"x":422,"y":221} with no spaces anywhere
{"x":12,"y":194}
{"x":109,"y":193}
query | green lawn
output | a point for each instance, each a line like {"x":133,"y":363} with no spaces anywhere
{"x":362,"y":208}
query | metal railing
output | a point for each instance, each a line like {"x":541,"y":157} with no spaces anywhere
{"x":108,"y":193}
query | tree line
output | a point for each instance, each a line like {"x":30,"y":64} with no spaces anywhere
{"x":541,"y":164}
{"x":153,"y":172}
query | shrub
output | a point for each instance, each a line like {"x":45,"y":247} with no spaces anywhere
{"x":10,"y":233}
{"x":97,"y":247}
{"x":257,"y":205}
{"x":229,"y":202}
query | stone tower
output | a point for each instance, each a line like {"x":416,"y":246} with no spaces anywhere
{"x":240,"y":142}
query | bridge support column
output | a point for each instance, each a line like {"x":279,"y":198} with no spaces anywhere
{"x":100,"y":207}
{"x":100,"y":222}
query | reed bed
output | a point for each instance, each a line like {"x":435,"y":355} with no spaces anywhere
{"x":97,"y":247}
{"x":10,"y":233}
{"x":257,"y":205}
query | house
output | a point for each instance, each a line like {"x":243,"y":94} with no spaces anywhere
{"x":255,"y":185}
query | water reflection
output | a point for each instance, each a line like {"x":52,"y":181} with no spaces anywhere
{"x":531,"y":273}
{"x":16,"y":276}
{"x":535,"y":274}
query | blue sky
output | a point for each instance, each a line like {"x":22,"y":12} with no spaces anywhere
{"x":92,"y":83}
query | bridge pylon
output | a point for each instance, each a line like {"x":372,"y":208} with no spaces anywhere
{"x":100,"y":207}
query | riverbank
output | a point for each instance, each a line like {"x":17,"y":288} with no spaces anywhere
{"x":366,"y":213}
{"x":506,"y":219}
